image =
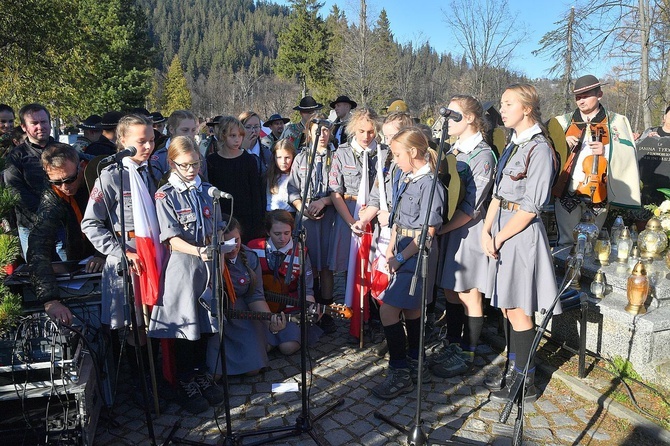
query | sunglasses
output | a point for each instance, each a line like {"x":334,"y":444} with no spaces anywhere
{"x":68,"y":180}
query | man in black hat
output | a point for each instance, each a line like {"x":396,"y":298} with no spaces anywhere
{"x":296,"y":132}
{"x":208,"y":144}
{"x":342,"y":106}
{"x":590,"y":132}
{"x":89,"y":127}
{"x":276,"y":125}
{"x":106,"y":143}
{"x":159,"y":121}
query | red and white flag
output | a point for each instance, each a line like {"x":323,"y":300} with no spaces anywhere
{"x":147,"y":236}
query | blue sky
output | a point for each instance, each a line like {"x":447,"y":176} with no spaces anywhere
{"x":423,"y":20}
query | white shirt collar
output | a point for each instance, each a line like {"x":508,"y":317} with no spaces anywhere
{"x":358,"y":148}
{"x":180,"y":185}
{"x":232,"y":261}
{"x":283,"y":250}
{"x":425,"y":170}
{"x":526,"y":135}
{"x":256,"y":149}
{"x":468,"y":144}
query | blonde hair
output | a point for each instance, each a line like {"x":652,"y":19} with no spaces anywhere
{"x":403,"y":117}
{"x":225,"y":125}
{"x":528,"y":97}
{"x":273,"y":171}
{"x":414,"y":138}
{"x":177,"y":117}
{"x":361,"y":114}
{"x":181,"y":145}
{"x":472,"y":106}
{"x":124,"y":125}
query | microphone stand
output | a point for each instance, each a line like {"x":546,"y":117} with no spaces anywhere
{"x":213,"y":252}
{"x":517,"y":391}
{"x":415,"y":435}
{"x":304,"y":422}
{"x":129,"y":299}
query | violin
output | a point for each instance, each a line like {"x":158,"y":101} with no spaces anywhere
{"x":594,"y":184}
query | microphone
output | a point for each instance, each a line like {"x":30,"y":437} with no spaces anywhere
{"x":323,"y":122}
{"x":216,"y":194}
{"x":118,"y":156}
{"x":450,"y":114}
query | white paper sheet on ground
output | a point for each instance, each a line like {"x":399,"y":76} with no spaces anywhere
{"x":285,"y":387}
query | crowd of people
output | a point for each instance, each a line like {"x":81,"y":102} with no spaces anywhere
{"x":371,"y":177}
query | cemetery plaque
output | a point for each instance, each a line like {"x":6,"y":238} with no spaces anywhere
{"x":653,"y":155}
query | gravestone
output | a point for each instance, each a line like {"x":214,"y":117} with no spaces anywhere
{"x":653,"y":155}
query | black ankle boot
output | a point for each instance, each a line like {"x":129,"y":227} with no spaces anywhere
{"x":503,"y":395}
{"x":498,"y":381}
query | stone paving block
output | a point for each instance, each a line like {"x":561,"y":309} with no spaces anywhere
{"x":539,"y":421}
{"x":546,"y":406}
{"x":363,"y":409}
{"x":567,"y":434}
{"x":489,"y":415}
{"x":598,"y":434}
{"x":468,"y":437}
{"x":344,"y":418}
{"x":502,"y":441}
{"x":537,"y":433}
{"x":340,"y":436}
{"x":360,"y":428}
{"x":561,"y":419}
{"x":475,"y":425}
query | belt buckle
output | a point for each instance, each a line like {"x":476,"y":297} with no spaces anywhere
{"x":504,"y":203}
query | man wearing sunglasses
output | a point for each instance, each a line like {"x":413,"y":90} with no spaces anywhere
{"x":60,"y":210}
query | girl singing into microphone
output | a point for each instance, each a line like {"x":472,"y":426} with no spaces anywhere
{"x":185,"y":215}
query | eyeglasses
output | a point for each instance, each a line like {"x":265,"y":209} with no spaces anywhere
{"x":186,"y":166}
{"x":68,"y":180}
{"x":252,"y":127}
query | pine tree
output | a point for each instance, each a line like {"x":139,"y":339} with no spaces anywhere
{"x":303,"y":46}
{"x":177,"y":94}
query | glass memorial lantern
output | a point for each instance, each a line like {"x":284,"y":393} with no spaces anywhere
{"x":624,"y":246}
{"x":637,"y":289}
{"x":652,"y":241}
{"x":603,"y":248}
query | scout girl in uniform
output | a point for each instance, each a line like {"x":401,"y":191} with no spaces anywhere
{"x":521,"y":276}
{"x":246,"y":340}
{"x":319,"y":213}
{"x":101,"y":223}
{"x":410,"y":205}
{"x":185,"y":216}
{"x":180,"y":123}
{"x":464,"y":269}
{"x":274,"y":253}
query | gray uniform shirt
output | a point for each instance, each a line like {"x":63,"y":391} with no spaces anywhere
{"x":299,"y":169}
{"x":346,"y":171}
{"x":476,"y":172}
{"x":533,"y":191}
{"x":98,"y":224}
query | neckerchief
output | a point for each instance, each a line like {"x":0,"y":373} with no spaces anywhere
{"x":194,"y":189}
{"x":578,"y":126}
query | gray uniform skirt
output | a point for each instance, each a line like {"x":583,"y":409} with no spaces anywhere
{"x":114,"y":312}
{"x":340,"y":239}
{"x":523,"y":275}
{"x":465,"y":265}
{"x":317,"y":239}
{"x":178,"y":313}
{"x":397,"y":292}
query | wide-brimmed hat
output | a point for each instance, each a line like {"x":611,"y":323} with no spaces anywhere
{"x":308,"y":104}
{"x":158,"y":118}
{"x":141,"y":112}
{"x":276,"y":117}
{"x":397,"y":105}
{"x":110,"y":120}
{"x":344,"y":99}
{"x":90,"y":123}
{"x":215,"y":120}
{"x":587,"y":83}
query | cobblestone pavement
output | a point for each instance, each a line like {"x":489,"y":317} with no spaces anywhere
{"x":454,"y":410}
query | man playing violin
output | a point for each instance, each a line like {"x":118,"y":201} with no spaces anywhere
{"x":601,"y":166}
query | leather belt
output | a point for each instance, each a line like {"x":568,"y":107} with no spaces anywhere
{"x":509,"y":205}
{"x":348,"y":197}
{"x":131,"y":234}
{"x":405,"y":232}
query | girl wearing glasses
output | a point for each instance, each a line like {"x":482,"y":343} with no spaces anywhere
{"x":234,"y":170}
{"x":186,"y":219}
